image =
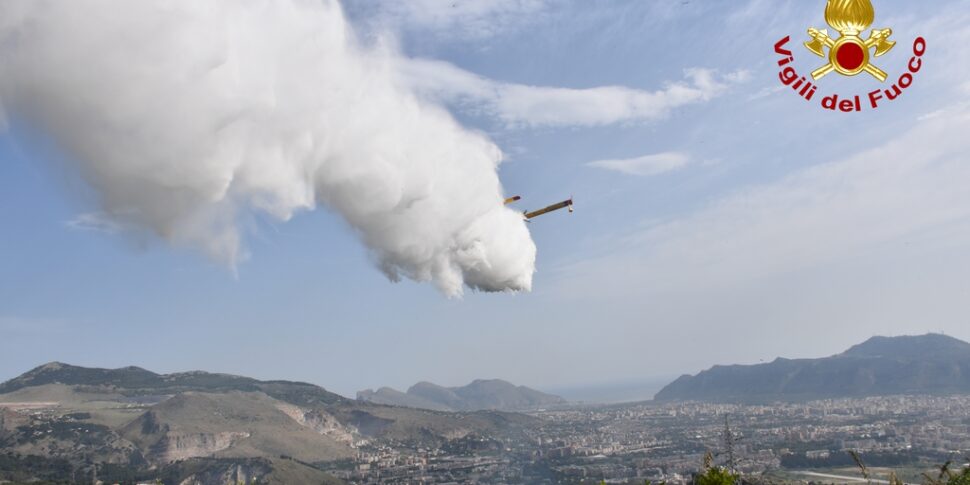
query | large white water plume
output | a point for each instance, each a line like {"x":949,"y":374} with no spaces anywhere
{"x":186,"y":115}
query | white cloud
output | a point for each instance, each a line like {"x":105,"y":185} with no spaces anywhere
{"x":94,"y":221}
{"x":471,"y":19}
{"x":871,"y":243}
{"x":646,"y":165}
{"x":524,"y":105}
{"x":766,"y":91}
{"x":911,"y":191}
{"x":208,"y":114}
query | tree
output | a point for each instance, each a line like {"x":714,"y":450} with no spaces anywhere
{"x":949,"y":477}
{"x":717,"y":476}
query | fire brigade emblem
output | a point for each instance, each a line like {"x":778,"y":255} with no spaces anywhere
{"x":849,"y":54}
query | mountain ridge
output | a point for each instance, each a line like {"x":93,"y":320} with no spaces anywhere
{"x":136,"y":380}
{"x":480,"y":394}
{"x":928,"y":364}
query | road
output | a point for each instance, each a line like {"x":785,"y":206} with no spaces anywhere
{"x":847,"y":478}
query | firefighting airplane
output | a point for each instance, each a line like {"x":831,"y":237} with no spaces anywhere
{"x":566,"y":204}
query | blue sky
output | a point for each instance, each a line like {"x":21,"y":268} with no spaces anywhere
{"x":754,"y":225}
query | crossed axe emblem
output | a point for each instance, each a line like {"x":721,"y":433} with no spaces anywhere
{"x":849,"y":54}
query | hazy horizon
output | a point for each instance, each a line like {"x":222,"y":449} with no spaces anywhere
{"x":605,"y":391}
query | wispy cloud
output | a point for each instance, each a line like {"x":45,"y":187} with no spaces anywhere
{"x":469,"y":19}
{"x":646,"y":165}
{"x":910,"y":190}
{"x":534,"y":106}
{"x":94,"y":221}
{"x":765,"y":92}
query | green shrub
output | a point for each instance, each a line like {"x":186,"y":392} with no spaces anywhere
{"x":717,"y":476}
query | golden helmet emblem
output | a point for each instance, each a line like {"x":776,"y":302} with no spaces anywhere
{"x":849,"y":54}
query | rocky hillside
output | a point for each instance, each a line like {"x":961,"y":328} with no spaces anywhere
{"x":479,"y":395}
{"x":59,"y":420}
{"x":927,"y":364}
